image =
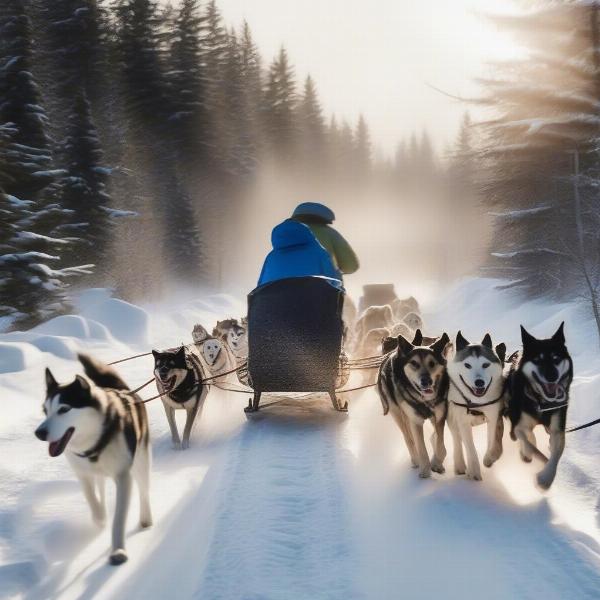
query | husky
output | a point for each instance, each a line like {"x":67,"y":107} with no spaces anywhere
{"x":476,"y":395}
{"x":179,"y":373}
{"x":413,"y":386}
{"x":234,"y":336}
{"x":539,"y":383}
{"x":402,"y":306}
{"x":374,"y":317}
{"x":413,"y":321}
{"x":389,"y":344}
{"x":103,"y":429}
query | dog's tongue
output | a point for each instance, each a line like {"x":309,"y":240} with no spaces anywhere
{"x":56,"y":448}
{"x":550,"y":389}
{"x":479,"y":391}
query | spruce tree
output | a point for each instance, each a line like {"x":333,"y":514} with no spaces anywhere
{"x":278,"y":112}
{"x":312,"y":130}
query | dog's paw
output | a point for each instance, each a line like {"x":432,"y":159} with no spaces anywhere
{"x":414,"y":465}
{"x":460,"y":470}
{"x":438,"y":468}
{"x":177,"y":445}
{"x":118,"y":557}
{"x":524,"y":458}
{"x":425,"y":473}
{"x":474,"y":476}
{"x":544,"y":480}
{"x":145,"y":523}
{"x":489,"y":460}
{"x":185,"y":444}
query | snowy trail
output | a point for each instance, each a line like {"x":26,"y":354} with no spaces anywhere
{"x":301,"y":502}
{"x":282,"y":526}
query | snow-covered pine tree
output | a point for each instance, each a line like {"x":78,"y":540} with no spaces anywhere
{"x":29,"y":159}
{"x":83,"y":187}
{"x":186,"y":76}
{"x":545,"y":112}
{"x":73,"y":40}
{"x":33,"y":282}
{"x":279,"y":104}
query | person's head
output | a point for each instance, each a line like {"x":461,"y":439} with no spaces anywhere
{"x":313,"y":212}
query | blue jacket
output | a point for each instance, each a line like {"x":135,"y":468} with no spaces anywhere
{"x":297,"y":253}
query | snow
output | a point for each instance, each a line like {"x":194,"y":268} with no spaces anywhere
{"x":126,"y":322}
{"x":17,"y":356}
{"x":300,"y":502}
{"x":74,"y":326}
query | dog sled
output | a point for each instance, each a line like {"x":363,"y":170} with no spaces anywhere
{"x":295,"y":335}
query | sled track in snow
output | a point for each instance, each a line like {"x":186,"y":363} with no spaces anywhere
{"x":281,"y":528}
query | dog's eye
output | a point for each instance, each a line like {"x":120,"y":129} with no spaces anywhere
{"x":431,"y":364}
{"x":63,"y":409}
{"x":468,"y":365}
{"x":556,"y":359}
{"x":414,"y":364}
{"x":485,"y":365}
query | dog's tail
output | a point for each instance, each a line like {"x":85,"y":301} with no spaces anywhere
{"x":101,"y":374}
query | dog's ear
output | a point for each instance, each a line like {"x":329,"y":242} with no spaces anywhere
{"x":559,"y":336}
{"x":418,"y":339}
{"x":83,"y":383}
{"x":51,"y":383}
{"x":388,"y":344}
{"x":487,"y":341}
{"x":461,"y":342}
{"x":181,"y":351}
{"x":155,"y":353}
{"x":439,"y":346}
{"x":526,"y":337}
{"x":501,"y":351}
{"x":404,"y":346}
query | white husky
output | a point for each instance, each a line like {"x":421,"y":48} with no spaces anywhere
{"x":476,"y":395}
{"x":103,"y":429}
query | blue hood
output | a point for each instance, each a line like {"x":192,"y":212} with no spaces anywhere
{"x":297,"y":253}
{"x":291,"y":233}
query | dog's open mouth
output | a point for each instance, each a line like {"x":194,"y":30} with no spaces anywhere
{"x":58,"y":447}
{"x":552,"y":390}
{"x":479,"y":392}
{"x":427,"y":391}
{"x":169,"y":383}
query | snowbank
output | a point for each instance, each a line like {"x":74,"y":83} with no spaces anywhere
{"x":126,"y":322}
{"x":74,"y":326}
{"x":18,"y":356}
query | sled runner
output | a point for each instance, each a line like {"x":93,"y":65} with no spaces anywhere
{"x":295,"y":337}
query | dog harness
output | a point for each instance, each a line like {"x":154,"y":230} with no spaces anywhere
{"x":472,"y":406}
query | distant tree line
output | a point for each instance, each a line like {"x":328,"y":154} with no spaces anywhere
{"x":130,"y":130}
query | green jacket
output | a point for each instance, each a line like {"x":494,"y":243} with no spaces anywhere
{"x":340,"y":250}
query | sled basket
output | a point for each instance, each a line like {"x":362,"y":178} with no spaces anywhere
{"x":295,"y":335}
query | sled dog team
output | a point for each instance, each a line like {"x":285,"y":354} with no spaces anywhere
{"x":471,"y":384}
{"x":103,"y":426}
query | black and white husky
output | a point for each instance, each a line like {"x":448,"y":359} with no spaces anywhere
{"x":179,"y":373}
{"x":539,"y":395}
{"x":413,"y":386}
{"x":476,"y":395}
{"x":103,"y":429}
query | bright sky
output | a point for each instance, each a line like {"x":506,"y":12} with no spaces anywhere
{"x":376,"y":56}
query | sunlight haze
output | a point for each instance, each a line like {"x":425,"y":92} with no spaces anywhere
{"x":396,"y":49}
